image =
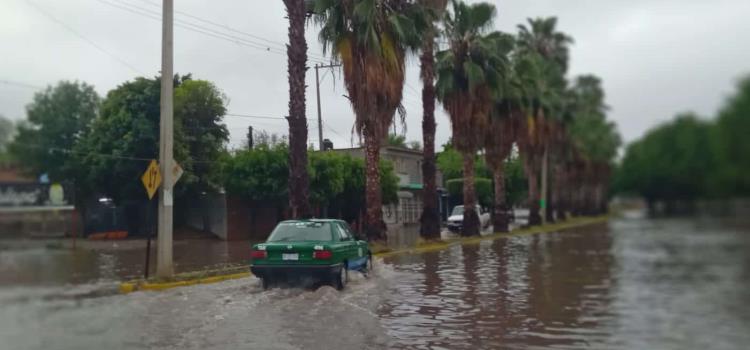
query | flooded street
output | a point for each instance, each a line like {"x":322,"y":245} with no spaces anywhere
{"x":629,"y":284}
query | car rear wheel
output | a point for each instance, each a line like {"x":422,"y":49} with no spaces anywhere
{"x":265,"y":282}
{"x":342,"y":277}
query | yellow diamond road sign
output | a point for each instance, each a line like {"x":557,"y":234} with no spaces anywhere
{"x":151,"y":179}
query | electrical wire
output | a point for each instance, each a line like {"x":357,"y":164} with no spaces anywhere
{"x":147,"y":13}
{"x":82,"y":37}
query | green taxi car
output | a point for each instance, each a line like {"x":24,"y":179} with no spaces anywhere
{"x":320,"y":250}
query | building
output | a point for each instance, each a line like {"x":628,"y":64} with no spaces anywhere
{"x":407,"y":164}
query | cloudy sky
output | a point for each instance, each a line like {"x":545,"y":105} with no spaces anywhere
{"x":656,"y":57}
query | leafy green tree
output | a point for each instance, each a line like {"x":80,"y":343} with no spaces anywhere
{"x":455,"y":188}
{"x":115,"y":153}
{"x":450,"y":163}
{"x":327,"y":172}
{"x":371,"y":39}
{"x":6,"y":132}
{"x":395,"y":140}
{"x":259,"y":174}
{"x":199,"y":108}
{"x":337,"y":181}
{"x":670,"y":163}
{"x":57,"y":118}
{"x":732,"y":145}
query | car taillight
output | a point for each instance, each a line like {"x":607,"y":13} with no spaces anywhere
{"x":322,"y":254}
{"x":258,"y":254}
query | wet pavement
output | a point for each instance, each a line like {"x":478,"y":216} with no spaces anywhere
{"x":629,"y":284}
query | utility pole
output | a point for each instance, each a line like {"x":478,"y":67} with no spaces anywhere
{"x":543,"y":200}
{"x":317,"y":91}
{"x":164,"y":240}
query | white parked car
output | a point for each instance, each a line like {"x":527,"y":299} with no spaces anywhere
{"x":456,"y":219}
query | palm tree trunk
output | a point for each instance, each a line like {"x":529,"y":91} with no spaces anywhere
{"x":500,"y":214}
{"x":430,"y":219}
{"x":531,"y":174}
{"x":559,"y":194}
{"x":374,"y":226}
{"x":299,"y":182}
{"x":471,"y":218}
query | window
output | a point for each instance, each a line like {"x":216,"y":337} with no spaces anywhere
{"x":301,"y":231}
{"x":343,"y":234}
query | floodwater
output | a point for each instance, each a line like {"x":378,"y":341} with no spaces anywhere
{"x":632,"y":283}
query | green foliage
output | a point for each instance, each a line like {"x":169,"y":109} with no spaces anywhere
{"x":414,"y":145}
{"x":672,"y":162}
{"x":128,"y":126}
{"x":396,"y":140}
{"x":261,"y":174}
{"x":516,"y":184}
{"x":374,"y":25}
{"x":475,"y":57}
{"x":450,"y":163}
{"x":327,"y":171}
{"x":57,"y":118}
{"x":690,"y":158}
{"x":731,"y":145}
{"x":6,"y":132}
{"x":482,"y":185}
{"x":112,"y":157}
{"x":199,"y":107}
{"x":595,"y":137}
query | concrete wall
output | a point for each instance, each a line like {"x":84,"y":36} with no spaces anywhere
{"x":402,"y":235}
{"x":209,"y":214}
{"x":25,"y":222}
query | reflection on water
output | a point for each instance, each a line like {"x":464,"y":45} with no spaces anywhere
{"x":630,"y":284}
{"x":32,"y":263}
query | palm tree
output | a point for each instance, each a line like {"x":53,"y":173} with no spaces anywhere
{"x":500,"y":137}
{"x":371,"y":38}
{"x":467,"y":75}
{"x":299,"y":182}
{"x":596,"y":142}
{"x":546,"y":50}
{"x":430,"y":219}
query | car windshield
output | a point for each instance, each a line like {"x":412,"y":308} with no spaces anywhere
{"x":301,"y":231}
{"x":458,"y":210}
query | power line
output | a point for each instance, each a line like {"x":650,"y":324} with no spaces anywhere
{"x":144,"y":12}
{"x":23,"y":85}
{"x":226,"y":27}
{"x":82,"y":37}
{"x":257,"y":116}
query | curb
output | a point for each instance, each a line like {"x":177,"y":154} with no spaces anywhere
{"x":129,"y":287}
{"x":428,"y":247}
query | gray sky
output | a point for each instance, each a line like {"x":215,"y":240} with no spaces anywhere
{"x":656,"y":57}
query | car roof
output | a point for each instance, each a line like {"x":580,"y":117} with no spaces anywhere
{"x":313,"y":220}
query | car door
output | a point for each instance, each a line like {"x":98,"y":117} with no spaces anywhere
{"x":345,"y":241}
{"x":360,"y":246}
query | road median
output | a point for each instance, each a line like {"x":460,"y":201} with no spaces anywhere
{"x":242,"y":271}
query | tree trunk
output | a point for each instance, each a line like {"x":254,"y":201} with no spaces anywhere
{"x":430,"y":219}
{"x":500,"y":210}
{"x":471,"y":218}
{"x":374,"y":225}
{"x":299,"y":182}
{"x":534,"y":217}
{"x":560,"y":194}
